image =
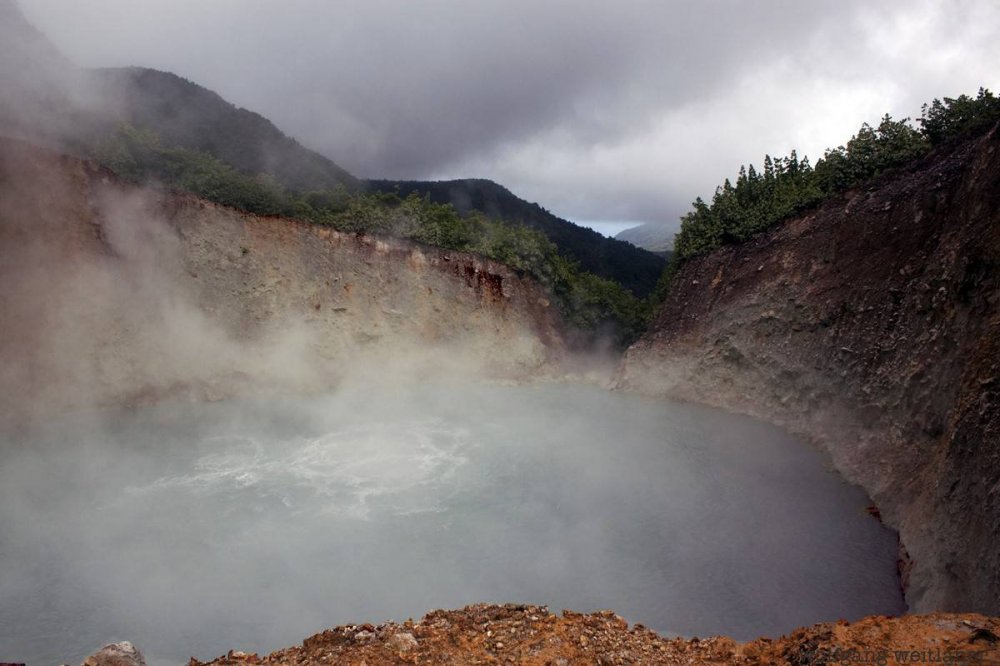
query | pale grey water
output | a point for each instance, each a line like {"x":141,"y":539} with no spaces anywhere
{"x":190,"y":530}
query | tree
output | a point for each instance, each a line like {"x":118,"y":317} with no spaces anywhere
{"x":952,"y":117}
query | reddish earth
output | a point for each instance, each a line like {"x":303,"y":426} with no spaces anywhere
{"x":533,"y":636}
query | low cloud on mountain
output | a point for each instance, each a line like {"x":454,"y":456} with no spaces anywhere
{"x":598,"y":111}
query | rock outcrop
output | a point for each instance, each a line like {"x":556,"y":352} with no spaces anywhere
{"x":532,"y":636}
{"x":872,"y":326}
{"x":115,"y":294}
{"x":116,"y":654}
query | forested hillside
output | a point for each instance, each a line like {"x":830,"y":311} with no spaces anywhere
{"x":634,"y":268}
{"x":189,"y":116}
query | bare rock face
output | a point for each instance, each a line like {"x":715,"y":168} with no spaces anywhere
{"x":402,"y":642}
{"x":116,"y":654}
{"x":872,"y":326}
{"x":115,"y":294}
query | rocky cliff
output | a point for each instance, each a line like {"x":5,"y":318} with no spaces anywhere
{"x":872,"y":326}
{"x":114,"y":294}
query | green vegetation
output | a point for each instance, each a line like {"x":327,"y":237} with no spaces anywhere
{"x":964,"y":115}
{"x":634,"y":268}
{"x":788,"y":185}
{"x":186,"y":115}
{"x":587,"y":301}
{"x":140,"y":156}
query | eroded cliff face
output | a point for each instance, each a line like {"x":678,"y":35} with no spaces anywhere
{"x":872,"y":326}
{"x":114,"y":294}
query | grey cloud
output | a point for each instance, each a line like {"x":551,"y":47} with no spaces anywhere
{"x":435,"y":85}
{"x":429,"y":89}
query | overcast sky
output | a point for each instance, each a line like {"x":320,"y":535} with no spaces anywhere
{"x":598,"y":110}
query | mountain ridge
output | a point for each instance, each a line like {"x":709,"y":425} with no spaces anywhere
{"x":636,"y":269}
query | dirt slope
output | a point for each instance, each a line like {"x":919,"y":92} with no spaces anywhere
{"x":872,"y":326}
{"x":116,"y":294}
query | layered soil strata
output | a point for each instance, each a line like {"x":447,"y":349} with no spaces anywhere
{"x":115,"y":294}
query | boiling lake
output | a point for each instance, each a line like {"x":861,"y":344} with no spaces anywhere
{"x":193,"y":529}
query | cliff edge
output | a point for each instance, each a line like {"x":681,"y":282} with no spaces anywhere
{"x":115,"y":294}
{"x":870,"y":325}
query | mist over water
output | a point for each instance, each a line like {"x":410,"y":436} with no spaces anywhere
{"x":193,"y":529}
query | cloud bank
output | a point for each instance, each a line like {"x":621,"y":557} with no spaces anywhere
{"x":597,"y":111}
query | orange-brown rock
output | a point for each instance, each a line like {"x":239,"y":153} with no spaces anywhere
{"x":533,"y":636}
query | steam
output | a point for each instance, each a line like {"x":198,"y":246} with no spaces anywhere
{"x":119,"y":295}
{"x":96,"y":310}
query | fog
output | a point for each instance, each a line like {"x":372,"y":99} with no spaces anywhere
{"x":123,"y":295}
{"x":96,"y":306}
{"x":250,"y":524}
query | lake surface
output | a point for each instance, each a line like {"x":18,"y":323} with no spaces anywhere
{"x":190,"y":530}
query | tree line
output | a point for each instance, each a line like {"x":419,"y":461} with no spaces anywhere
{"x":788,"y":185}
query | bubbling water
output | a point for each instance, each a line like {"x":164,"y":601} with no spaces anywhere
{"x":397,"y":467}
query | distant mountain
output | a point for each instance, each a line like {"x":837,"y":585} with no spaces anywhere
{"x":636,"y":269}
{"x":189,"y":116}
{"x":47,"y":99}
{"x":657,"y":239}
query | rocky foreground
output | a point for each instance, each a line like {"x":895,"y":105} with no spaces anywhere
{"x":512,"y":634}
